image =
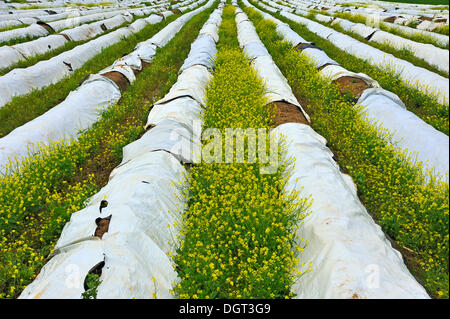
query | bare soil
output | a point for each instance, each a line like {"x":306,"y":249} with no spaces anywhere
{"x":351,"y":85}
{"x":287,"y":113}
{"x":118,"y":78}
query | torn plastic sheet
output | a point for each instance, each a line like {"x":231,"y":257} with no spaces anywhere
{"x":78,"y":111}
{"x":146,"y":51}
{"x":345,"y":245}
{"x":122,"y":68}
{"x":203,"y":50}
{"x":63,"y":276}
{"x":131,"y":260}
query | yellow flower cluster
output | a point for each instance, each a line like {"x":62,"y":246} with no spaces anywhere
{"x":415,"y":213}
{"x":237,"y":238}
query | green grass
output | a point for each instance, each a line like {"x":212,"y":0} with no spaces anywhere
{"x":38,"y":199}
{"x":423,"y":105}
{"x":393,"y":189}
{"x":238,"y":232}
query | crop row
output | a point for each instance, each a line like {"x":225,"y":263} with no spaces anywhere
{"x":412,"y":212}
{"x":71,"y":171}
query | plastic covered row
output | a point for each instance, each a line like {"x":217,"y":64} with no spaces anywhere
{"x":278,"y":90}
{"x":123,"y":235}
{"x":84,"y":104}
{"x":22,"y":81}
{"x":350,"y":255}
{"x":419,"y":78}
{"x":422,"y":142}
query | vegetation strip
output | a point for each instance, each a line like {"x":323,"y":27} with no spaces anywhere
{"x":424,"y":106}
{"x":37,"y":200}
{"x":238,"y":232}
{"x":413,"y":213}
{"x":25,"y":108}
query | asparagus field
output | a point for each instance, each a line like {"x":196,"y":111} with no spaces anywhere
{"x":224,"y":149}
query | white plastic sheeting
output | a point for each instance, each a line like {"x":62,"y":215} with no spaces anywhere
{"x":423,"y":80}
{"x":144,"y":197}
{"x":276,"y":84}
{"x":40,"y":46}
{"x":33,"y":30}
{"x":23,"y":81}
{"x":184,"y":110}
{"x":84,"y":105}
{"x":174,"y":137}
{"x":73,"y":22}
{"x":9,"y":56}
{"x":186,"y":98}
{"x":383,"y":108}
{"x":211,"y":26}
{"x":334,"y":72}
{"x":140,"y":194}
{"x":203,"y":50}
{"x":424,"y":143}
{"x":428,"y":52}
{"x":440,"y":38}
{"x":78,"y":111}
{"x":350,"y":254}
{"x":36,"y":30}
{"x":345,"y":246}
